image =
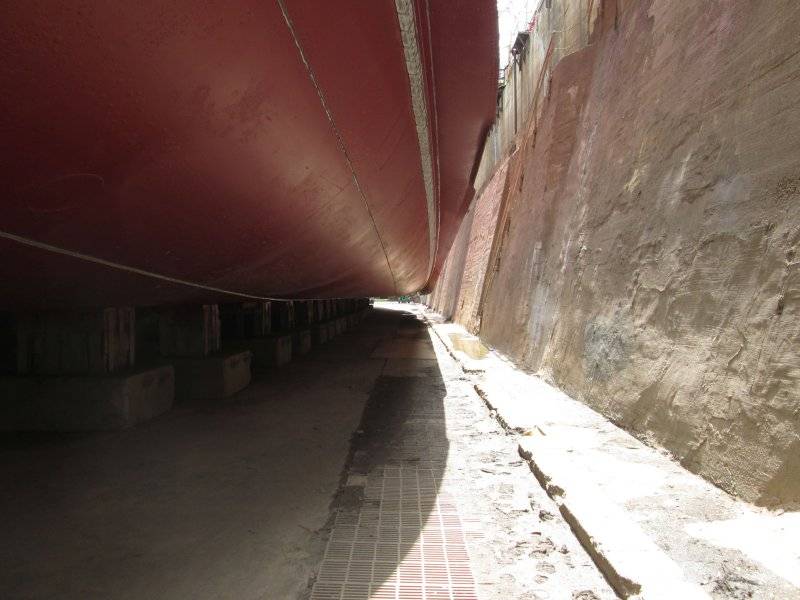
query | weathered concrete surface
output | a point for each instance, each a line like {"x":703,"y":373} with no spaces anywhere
{"x":647,"y":262}
{"x":464,"y":281}
{"x":319,"y":334}
{"x":341,"y":325}
{"x":419,"y":349}
{"x":655,"y":529}
{"x":189,"y":331}
{"x":75,"y":342}
{"x":440,"y":476}
{"x":211,"y":377}
{"x":445,"y":295}
{"x":332,"y":329}
{"x":268,"y":351}
{"x":301,"y":342}
{"x":85,"y":403}
{"x":283,"y":316}
{"x":245,"y":319}
{"x":481,"y":238}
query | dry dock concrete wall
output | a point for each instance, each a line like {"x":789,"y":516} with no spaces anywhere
{"x":639,"y":248}
{"x":458,"y":292}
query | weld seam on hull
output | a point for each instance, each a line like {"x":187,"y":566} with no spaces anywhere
{"x":435,"y":123}
{"x":337,"y":133}
{"x":135,"y":270}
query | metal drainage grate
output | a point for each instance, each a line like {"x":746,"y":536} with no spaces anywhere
{"x":405,"y":542}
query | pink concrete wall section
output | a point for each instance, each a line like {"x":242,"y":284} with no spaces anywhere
{"x":446,"y":293}
{"x":649,"y":261}
{"x":476,"y":262}
{"x":517,"y":311}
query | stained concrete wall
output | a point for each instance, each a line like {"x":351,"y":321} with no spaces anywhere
{"x":478,"y":250}
{"x":446,"y":294}
{"x":646,"y":257}
{"x":558,"y":28}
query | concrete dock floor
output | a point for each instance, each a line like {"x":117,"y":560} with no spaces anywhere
{"x":285,"y":491}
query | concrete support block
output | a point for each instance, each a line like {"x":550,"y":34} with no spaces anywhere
{"x":309,"y":312}
{"x":301,"y":342}
{"x":332,"y":330}
{"x":190,"y":339}
{"x":268,"y":351}
{"x":189,"y":331}
{"x":322,"y":310}
{"x":319,"y":308}
{"x":303,"y":313}
{"x":8,"y":343}
{"x":245,"y":320}
{"x":76,"y":342}
{"x":211,"y":377}
{"x":319,"y":334}
{"x":85,"y":402}
{"x":283,"y":317}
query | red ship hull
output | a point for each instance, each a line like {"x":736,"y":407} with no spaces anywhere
{"x":159,"y":152}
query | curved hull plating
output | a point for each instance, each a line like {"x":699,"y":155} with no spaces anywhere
{"x":176,"y":151}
